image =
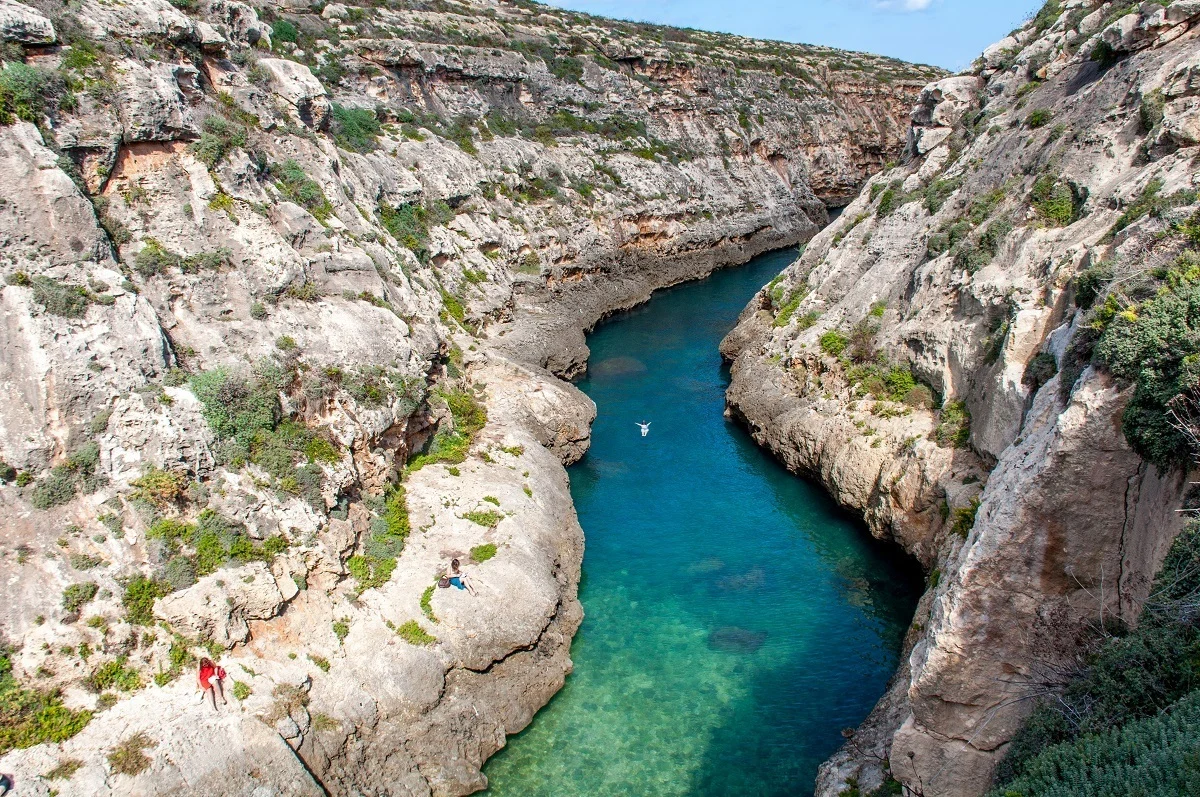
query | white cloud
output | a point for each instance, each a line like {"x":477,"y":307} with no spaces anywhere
{"x":903,"y":5}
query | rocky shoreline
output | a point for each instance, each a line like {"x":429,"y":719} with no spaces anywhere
{"x":929,"y":359}
{"x":287,"y":288}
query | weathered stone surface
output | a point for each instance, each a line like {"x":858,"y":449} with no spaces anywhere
{"x":1071,"y":524}
{"x":299,"y":88}
{"x":20,"y":23}
{"x":367,"y":288}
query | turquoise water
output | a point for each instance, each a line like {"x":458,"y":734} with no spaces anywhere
{"x":736,"y":621}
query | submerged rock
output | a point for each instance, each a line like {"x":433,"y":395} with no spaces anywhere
{"x":736,"y":640}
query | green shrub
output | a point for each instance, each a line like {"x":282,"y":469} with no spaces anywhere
{"x":451,"y":445}
{"x":81,"y":561}
{"x":64,"y":770}
{"x":1104,"y":54}
{"x":1154,"y":757}
{"x":163,"y":488}
{"x":1047,"y":16}
{"x":893,"y":198}
{"x":284,"y":31}
{"x":218,"y":138}
{"x":1156,"y":346}
{"x":1040,"y":370}
{"x":408,"y":224}
{"x":833,"y":343}
{"x":23,"y":91}
{"x":298,"y":187}
{"x":138,"y":599}
{"x":77,"y":473}
{"x":1151,"y":202}
{"x":242,"y":690}
{"x":485,"y":517}
{"x":60,"y":298}
{"x":370,"y":572}
{"x":964,"y":519}
{"x":1121,"y":725}
{"x":76,"y":595}
{"x":1055,"y":200}
{"x":114,"y":675}
{"x":1091,"y":283}
{"x":389,"y":531}
{"x":129,"y":757}
{"x":414,"y":634}
{"x":1152,"y":110}
{"x":454,"y":308}
{"x":179,"y":572}
{"x":954,"y":426}
{"x":355,"y":129}
{"x":1039,"y":117}
{"x":937,"y":192}
{"x":29,"y":716}
{"x":427,"y":602}
{"x":57,"y":488}
{"x":481,"y":553}
{"x":789,"y":308}
{"x":237,"y":407}
{"x":320,"y":661}
{"x":153,"y":258}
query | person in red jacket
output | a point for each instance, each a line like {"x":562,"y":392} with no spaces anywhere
{"x":210,"y":678}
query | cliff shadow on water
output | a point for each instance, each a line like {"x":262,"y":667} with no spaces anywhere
{"x":737,"y":620}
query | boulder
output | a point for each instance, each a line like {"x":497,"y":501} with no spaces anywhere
{"x":20,"y":23}
{"x":296,"y":85}
{"x":220,"y":606}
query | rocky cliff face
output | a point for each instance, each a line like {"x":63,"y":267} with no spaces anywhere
{"x":929,"y":359}
{"x":281,"y":285}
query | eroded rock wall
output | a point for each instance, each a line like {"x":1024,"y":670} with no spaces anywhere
{"x":1007,"y":474}
{"x":258,"y":257}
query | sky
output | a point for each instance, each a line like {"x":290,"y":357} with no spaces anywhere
{"x":945,"y":33}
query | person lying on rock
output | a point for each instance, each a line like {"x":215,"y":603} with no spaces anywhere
{"x":456,"y":577}
{"x":210,"y":678}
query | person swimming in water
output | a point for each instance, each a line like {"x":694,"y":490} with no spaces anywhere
{"x":645,"y":427}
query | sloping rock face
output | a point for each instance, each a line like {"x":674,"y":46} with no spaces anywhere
{"x":1066,"y":152}
{"x":285,"y":292}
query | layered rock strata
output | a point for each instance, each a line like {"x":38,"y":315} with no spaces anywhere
{"x":1064,"y":155}
{"x":284,"y":289}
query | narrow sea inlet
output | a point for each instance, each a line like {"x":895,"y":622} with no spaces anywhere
{"x":737,"y":621}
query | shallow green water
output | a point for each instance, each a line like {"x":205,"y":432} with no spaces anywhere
{"x":736,"y":620}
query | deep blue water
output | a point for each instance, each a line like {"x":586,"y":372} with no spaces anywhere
{"x":736,"y":620}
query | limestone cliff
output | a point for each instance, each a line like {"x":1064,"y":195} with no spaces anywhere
{"x":281,"y":283}
{"x":929,"y":359}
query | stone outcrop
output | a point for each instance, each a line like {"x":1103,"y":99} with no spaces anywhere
{"x":1037,"y":521}
{"x":255,"y":263}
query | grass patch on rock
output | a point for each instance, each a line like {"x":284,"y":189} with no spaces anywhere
{"x":412,"y":633}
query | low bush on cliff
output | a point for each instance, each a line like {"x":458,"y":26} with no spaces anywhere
{"x":24,"y":90}
{"x":77,"y":474}
{"x":355,"y":129}
{"x":33,"y":716}
{"x":1057,"y":202}
{"x":212,"y":542}
{"x":296,"y":186}
{"x":218,"y":138}
{"x":833,"y":343}
{"x":1156,"y":347}
{"x":954,"y":425}
{"x":389,"y":531}
{"x":1129,"y":723}
{"x":245,"y":414}
{"x":60,"y":298}
{"x":452,"y":441}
